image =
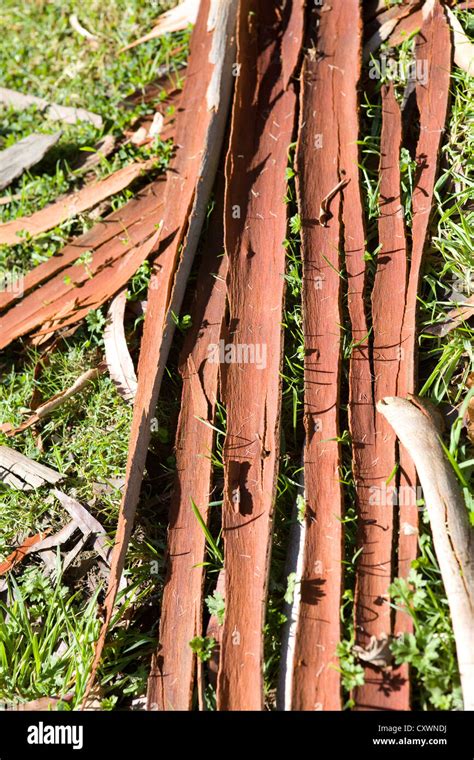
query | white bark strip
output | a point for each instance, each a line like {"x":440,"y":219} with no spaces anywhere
{"x":119,"y":361}
{"x":453,"y":537}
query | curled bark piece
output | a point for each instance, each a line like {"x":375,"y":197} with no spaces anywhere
{"x":119,"y":361}
{"x":324,"y":213}
{"x":53,"y":111}
{"x":24,"y":154}
{"x":463,"y":47}
{"x":71,"y":205}
{"x":453,"y":537}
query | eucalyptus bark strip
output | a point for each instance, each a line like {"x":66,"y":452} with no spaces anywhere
{"x":375,"y":527}
{"x":269,"y":44}
{"x":171,"y":681}
{"x":388,"y":306}
{"x":316,"y":681}
{"x":200,"y":127}
{"x":453,"y":537}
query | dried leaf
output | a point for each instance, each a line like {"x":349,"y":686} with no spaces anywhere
{"x":463,"y":47}
{"x":87,"y":523}
{"x":24,"y":154}
{"x":119,"y":361}
{"x":24,"y":474}
{"x":46,"y":408}
{"x":77,"y":26}
{"x":53,"y":111}
{"x":454,"y":318}
{"x":174,"y":20}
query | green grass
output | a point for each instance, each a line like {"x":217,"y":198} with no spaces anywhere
{"x":54,"y":621}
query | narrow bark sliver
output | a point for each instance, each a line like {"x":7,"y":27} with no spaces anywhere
{"x":200,"y":127}
{"x":269,"y":41}
{"x":388,"y":306}
{"x":171,"y":681}
{"x":316,"y":680}
{"x":384,"y":688}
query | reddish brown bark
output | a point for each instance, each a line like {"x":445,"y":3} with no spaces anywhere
{"x":112,"y":232}
{"x":373,"y":576}
{"x":72,"y":204}
{"x":269,"y":41}
{"x":433,"y":51}
{"x":316,"y":681}
{"x":170,"y":686}
{"x":199,"y":132}
{"x":69,"y":296}
{"x":388,"y":306}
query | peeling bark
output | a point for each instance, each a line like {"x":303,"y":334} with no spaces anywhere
{"x":316,"y":681}
{"x":388,"y":305}
{"x":107,"y":240}
{"x":71,"y":205}
{"x":199,"y":135}
{"x":171,"y":681}
{"x":269,"y":43}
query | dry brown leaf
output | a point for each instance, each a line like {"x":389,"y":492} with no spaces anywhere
{"x":77,"y":26}
{"x":463,"y":47}
{"x":23,"y":474}
{"x":119,"y":361}
{"x":87,"y":523}
{"x":454,"y":318}
{"x":46,"y":408}
{"x":174,"y":20}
